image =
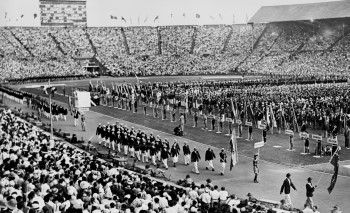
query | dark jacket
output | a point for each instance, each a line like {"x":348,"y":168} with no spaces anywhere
{"x":310,"y":190}
{"x":195,"y":156}
{"x":287,"y":183}
{"x":209,"y":155}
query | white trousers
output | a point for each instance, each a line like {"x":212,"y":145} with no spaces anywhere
{"x":223,"y":166}
{"x":187,"y":159}
{"x":210,"y":164}
{"x":195,"y":167}
{"x":165,"y":162}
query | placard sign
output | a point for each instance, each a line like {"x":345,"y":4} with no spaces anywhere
{"x":229,"y":119}
{"x":248,"y":123}
{"x":262,"y":126}
{"x":239,"y":121}
{"x":332,"y":140}
{"x":304,"y":135}
{"x":258,"y":144}
{"x":181,"y":111}
{"x":317,"y":137}
{"x":211,"y":116}
{"x":289,"y":132}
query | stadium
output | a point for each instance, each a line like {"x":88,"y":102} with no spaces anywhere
{"x":171,"y":106}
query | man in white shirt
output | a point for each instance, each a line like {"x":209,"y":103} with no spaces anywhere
{"x":205,"y":199}
{"x":193,"y":193}
{"x":223,"y":196}
{"x":215,"y":194}
{"x":307,"y":209}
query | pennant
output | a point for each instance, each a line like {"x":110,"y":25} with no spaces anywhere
{"x":335,"y":162}
{"x":212,"y":17}
{"x":233,"y":109}
{"x":114,"y":17}
{"x":144,"y":21}
{"x":198,"y":16}
{"x":35,"y":15}
{"x":5,"y":15}
{"x":234,"y":150}
{"x":184,"y":15}
{"x":123,"y":19}
{"x":22,"y":16}
{"x":234,"y":21}
{"x":220,"y":16}
{"x":156,"y":18}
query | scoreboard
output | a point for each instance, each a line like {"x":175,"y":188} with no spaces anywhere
{"x":63,"y":12}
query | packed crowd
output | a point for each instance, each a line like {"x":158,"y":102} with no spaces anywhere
{"x":282,"y":48}
{"x":39,"y":174}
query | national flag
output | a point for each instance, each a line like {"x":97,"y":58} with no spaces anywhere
{"x":233,"y":19}
{"x":144,"y":21}
{"x":220,"y":16}
{"x":198,"y":16}
{"x":35,"y":15}
{"x":90,"y":86}
{"x":184,"y":15}
{"x":234,"y":150}
{"x":156,"y":18}
{"x":212,"y":17}
{"x":5,"y":15}
{"x":114,"y":17}
{"x":171,"y":15}
{"x":22,"y":16}
{"x":335,"y":162}
{"x":123,"y":19}
{"x":138,"y":20}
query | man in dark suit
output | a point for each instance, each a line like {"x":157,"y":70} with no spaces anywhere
{"x":310,"y":192}
{"x":195,"y":157}
{"x":287,"y":183}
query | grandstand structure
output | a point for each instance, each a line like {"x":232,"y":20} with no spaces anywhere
{"x":280,"y":43}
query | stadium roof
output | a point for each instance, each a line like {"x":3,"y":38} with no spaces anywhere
{"x":302,"y":12}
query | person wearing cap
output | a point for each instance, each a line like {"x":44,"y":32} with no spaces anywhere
{"x":209,"y":156}
{"x":223,"y":160}
{"x":195,"y":157}
{"x":175,"y":151}
{"x":187,"y":153}
{"x":165,"y":155}
{"x":310,"y":192}
{"x":287,"y":184}
{"x":256,"y":168}
{"x":98,"y":132}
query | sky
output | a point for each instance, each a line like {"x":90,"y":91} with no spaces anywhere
{"x":144,"y":12}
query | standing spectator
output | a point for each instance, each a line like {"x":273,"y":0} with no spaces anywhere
{"x":195,"y":157}
{"x":209,"y":156}
{"x":256,"y":168}
{"x":182,"y":122}
{"x":287,"y":183}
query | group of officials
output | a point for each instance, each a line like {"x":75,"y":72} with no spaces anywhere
{"x":143,"y":147}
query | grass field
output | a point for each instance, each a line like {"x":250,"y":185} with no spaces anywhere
{"x":275,"y":150}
